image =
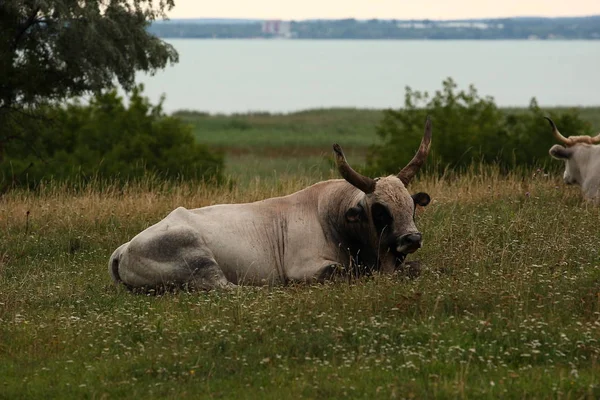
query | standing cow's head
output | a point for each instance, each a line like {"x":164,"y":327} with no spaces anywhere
{"x":387,"y":206}
{"x":574,"y":152}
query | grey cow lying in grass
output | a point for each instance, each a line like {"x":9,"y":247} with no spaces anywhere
{"x":353,"y":225}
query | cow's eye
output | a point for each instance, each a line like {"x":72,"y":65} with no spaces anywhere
{"x":381,"y":216}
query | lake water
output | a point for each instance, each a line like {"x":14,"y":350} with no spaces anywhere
{"x":226,"y":76}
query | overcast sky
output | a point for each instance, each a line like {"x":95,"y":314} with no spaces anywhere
{"x":382,"y":9}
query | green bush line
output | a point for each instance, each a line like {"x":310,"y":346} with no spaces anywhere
{"x":104,"y":140}
{"x":108,"y":141}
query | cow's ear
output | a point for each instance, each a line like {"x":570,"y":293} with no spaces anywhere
{"x":561,"y":153}
{"x":355,"y":214}
{"x":421,"y":199}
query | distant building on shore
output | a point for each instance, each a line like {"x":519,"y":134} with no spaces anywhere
{"x":449,"y":25}
{"x":277,"y":28}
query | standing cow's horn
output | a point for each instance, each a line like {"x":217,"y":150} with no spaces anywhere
{"x":595,"y":139}
{"x":558,"y":135}
{"x":357,"y":180}
{"x":572,"y":140}
{"x":408,"y":172}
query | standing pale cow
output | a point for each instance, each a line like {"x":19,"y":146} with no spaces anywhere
{"x":355,"y":224}
{"x":582,"y":161}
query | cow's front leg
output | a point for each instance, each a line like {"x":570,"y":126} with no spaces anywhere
{"x":391,"y":263}
{"x":411,"y":269}
{"x":333,"y":272}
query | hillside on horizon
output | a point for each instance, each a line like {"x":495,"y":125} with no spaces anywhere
{"x":218,"y":20}
{"x":519,"y":28}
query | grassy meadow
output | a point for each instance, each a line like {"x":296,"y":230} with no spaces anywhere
{"x":298,"y":144}
{"x":507,"y":304}
{"x":275,"y":146}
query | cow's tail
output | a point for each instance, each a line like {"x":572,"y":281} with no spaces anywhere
{"x":113,"y":265}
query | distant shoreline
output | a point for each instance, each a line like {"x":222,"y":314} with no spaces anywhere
{"x":517,"y":28}
{"x":259,"y":20}
{"x":385,"y":39}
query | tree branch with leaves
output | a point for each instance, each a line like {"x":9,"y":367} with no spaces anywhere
{"x":58,"y":49}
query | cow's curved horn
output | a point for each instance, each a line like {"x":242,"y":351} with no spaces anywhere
{"x":558,"y":135}
{"x":572,"y":140}
{"x":408,"y":172}
{"x":357,"y":180}
{"x":593,"y":139}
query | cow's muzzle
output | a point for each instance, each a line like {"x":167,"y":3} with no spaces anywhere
{"x":409,"y":243}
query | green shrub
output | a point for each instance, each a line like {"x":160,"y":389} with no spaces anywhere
{"x":105,"y":140}
{"x":467,"y":130}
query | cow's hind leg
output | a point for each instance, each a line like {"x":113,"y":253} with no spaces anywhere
{"x":199,"y":275}
{"x":196,"y":270}
{"x":205,"y":275}
{"x":159,"y":272}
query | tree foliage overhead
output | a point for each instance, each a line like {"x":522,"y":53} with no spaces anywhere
{"x":54,"y":49}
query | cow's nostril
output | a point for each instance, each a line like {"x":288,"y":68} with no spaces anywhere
{"x":412,"y":239}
